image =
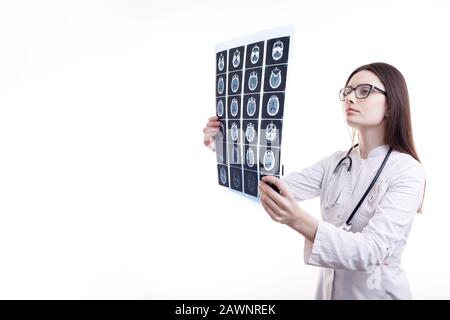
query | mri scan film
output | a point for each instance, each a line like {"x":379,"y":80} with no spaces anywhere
{"x":250,"y":91}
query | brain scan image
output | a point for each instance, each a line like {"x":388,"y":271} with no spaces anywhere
{"x":220,"y":155}
{"x":223,"y":175}
{"x":220,"y":108}
{"x":235,"y":83}
{"x":250,"y":132}
{"x":271,"y":132}
{"x":236,"y":58}
{"x":269,"y":160}
{"x":234,"y":131}
{"x":253,"y":81}
{"x":221,"y":62}
{"x":277,"y":50}
{"x":275,"y":78}
{"x":273,"y":105}
{"x":220,"y":133}
{"x":220,"y":85}
{"x":251,"y":182}
{"x":250,"y":157}
{"x":236,"y":180}
{"x":234,"y":107}
{"x":254,"y":57}
{"x":235,"y":155}
{"x":251,"y":106}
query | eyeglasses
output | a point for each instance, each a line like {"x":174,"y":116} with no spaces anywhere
{"x":362,"y":91}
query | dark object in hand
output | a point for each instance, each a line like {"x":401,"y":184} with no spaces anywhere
{"x":274,"y":187}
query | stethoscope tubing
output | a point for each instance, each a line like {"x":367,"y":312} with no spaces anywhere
{"x":348,"y":223}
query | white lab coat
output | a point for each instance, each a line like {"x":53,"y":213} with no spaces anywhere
{"x":363,"y":263}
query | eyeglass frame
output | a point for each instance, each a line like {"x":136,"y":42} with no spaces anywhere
{"x":372,"y":87}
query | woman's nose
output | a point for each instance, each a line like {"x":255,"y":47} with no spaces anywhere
{"x":348,"y":101}
{"x":350,"y":98}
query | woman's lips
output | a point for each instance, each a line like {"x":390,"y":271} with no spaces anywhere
{"x":351,"y":110}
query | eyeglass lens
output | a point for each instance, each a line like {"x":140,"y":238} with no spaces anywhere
{"x":361,"y":91}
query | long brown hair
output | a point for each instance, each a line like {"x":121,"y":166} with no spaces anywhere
{"x":398,"y":128}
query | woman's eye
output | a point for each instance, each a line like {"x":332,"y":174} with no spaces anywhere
{"x":364,"y":91}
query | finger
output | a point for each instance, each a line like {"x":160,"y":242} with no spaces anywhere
{"x":270,"y":203}
{"x":270,"y":212}
{"x":210,"y":131}
{"x":213,"y":118}
{"x":214,"y":124}
{"x":275,"y":196}
{"x":279,"y":184}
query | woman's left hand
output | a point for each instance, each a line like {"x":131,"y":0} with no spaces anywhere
{"x":282,"y":207}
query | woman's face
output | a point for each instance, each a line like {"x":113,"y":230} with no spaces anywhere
{"x":369,"y":112}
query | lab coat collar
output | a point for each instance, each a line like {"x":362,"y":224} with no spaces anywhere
{"x":375,"y":152}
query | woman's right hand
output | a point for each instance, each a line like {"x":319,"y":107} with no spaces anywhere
{"x":210,"y":131}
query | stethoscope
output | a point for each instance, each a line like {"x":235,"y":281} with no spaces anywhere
{"x":348,"y":225}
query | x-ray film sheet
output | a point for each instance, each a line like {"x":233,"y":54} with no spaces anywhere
{"x":250,"y":91}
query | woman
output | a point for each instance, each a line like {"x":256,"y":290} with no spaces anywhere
{"x":368,"y":201}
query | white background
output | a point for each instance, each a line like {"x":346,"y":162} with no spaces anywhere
{"x":106,"y":190}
